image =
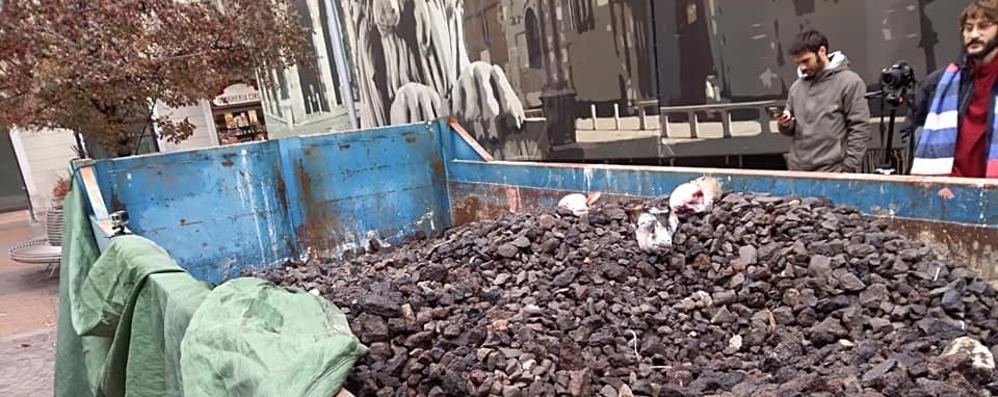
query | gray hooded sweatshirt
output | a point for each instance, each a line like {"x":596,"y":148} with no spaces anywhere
{"x":832,"y":130}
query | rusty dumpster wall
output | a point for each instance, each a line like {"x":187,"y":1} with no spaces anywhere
{"x":220,"y":210}
{"x":964,"y":228}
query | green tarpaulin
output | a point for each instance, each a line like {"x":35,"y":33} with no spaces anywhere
{"x":125,"y":313}
{"x":251,"y":338}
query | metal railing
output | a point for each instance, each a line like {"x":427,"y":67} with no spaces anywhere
{"x":724,"y":109}
{"x":693,"y":114}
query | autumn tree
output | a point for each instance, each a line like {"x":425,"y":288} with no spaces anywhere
{"x":98,"y":67}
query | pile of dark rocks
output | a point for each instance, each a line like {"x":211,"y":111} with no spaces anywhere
{"x":761,"y":296}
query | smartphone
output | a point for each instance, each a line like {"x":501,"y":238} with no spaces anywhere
{"x":775,"y":112}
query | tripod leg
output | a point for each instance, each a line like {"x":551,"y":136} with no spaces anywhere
{"x":889,"y":143}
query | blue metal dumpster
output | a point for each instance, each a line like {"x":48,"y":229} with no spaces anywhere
{"x":220,"y":210}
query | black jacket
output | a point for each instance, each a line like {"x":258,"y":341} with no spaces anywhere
{"x":918,"y":108}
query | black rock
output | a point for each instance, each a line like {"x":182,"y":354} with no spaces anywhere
{"x":615,"y":272}
{"x":863,"y":352}
{"x":433,"y":272}
{"x":380,"y":304}
{"x":419,"y":339}
{"x":565,"y":278}
{"x":550,"y":245}
{"x":828,"y":331}
{"x":371,"y":328}
{"x":860,"y":250}
{"x":940,"y":328}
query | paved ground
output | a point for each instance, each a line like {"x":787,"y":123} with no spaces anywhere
{"x":27,"y":363}
{"x":28,"y":300}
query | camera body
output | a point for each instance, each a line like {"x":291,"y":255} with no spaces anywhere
{"x":119,"y":221}
{"x":896,"y":81}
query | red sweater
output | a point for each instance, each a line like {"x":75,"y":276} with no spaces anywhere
{"x":970,"y":141}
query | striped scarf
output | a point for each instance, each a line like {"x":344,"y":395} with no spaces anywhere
{"x":937,"y":146}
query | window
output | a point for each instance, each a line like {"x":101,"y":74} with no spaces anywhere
{"x":534,"y":52}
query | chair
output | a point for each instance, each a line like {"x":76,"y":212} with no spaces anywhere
{"x":46,"y":250}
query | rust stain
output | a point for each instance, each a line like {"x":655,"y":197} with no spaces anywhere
{"x":319,"y":228}
{"x":282,"y":192}
{"x":467,"y":210}
{"x":472,"y":202}
{"x":344,"y":146}
{"x":970,"y":245}
{"x":116,"y":204}
{"x":228,"y":163}
{"x":282,"y":189}
{"x":410,"y":140}
{"x":438,"y":167}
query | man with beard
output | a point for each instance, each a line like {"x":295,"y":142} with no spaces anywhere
{"x":827,"y":114}
{"x":956,"y":105}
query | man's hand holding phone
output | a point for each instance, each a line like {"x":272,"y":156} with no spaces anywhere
{"x":782,"y":117}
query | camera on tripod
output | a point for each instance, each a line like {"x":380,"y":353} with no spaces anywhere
{"x":896,"y":84}
{"x":896,"y":81}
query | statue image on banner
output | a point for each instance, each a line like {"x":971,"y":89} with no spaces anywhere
{"x":412,"y":66}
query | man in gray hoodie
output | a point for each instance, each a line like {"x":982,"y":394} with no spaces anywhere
{"x":827,"y":114}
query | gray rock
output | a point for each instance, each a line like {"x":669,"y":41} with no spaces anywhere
{"x":547,"y":221}
{"x":737,"y":280}
{"x":580,"y":383}
{"x":507,"y":250}
{"x":724,"y":297}
{"x":878,"y":371}
{"x":521,"y":242}
{"x":784,"y":315}
{"x":951,"y":301}
{"x":723,"y":316}
{"x":685,"y":305}
{"x":501,"y":278}
{"x":850,"y":282}
{"x":748,"y":255}
{"x":879,"y":324}
{"x":873,"y":295}
{"x":820,"y":266}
